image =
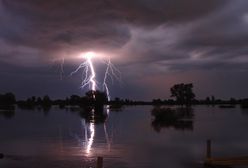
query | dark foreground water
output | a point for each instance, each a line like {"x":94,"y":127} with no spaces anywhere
{"x":131,"y":138}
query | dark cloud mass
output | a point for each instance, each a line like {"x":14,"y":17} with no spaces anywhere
{"x":152,"y":37}
{"x":58,"y":23}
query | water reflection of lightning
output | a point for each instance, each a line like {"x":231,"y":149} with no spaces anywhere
{"x":91,"y":139}
{"x":88,"y":141}
{"x":89,"y":136}
{"x":107,"y":136}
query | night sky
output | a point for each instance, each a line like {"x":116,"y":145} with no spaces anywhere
{"x":154,"y":43}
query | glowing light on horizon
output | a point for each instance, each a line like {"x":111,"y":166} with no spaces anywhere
{"x":88,"y":55}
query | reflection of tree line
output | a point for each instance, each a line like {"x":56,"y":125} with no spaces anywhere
{"x":177,"y":118}
{"x":92,"y":114}
{"x":7,"y":111}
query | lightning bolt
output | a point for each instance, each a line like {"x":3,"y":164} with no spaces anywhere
{"x":105,"y":86}
{"x":89,"y":73}
{"x":112,"y":72}
{"x":93,"y":74}
{"x":62,"y":68}
{"x":88,"y":78}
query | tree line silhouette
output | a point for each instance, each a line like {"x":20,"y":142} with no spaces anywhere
{"x":181,"y":94}
{"x":91,"y":98}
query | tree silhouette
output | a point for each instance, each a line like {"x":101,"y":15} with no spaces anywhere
{"x":74,"y":100}
{"x":7,"y":99}
{"x":46,"y":100}
{"x":96,"y":97}
{"x":183,"y":93}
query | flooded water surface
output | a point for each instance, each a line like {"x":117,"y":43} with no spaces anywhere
{"x":131,"y":137}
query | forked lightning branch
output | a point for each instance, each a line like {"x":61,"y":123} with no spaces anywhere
{"x":89,"y":72}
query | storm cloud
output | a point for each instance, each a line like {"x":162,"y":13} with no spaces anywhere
{"x":52,"y":26}
{"x":164,"y":36}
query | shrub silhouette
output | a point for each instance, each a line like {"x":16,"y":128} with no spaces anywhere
{"x":179,"y":118}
